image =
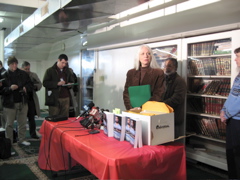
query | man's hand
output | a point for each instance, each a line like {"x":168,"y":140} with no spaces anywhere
{"x":14,"y":87}
{"x":60,"y":83}
{"x":222,"y":116}
{"x":24,"y":89}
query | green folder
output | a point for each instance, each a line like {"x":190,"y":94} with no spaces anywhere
{"x":139,"y":95}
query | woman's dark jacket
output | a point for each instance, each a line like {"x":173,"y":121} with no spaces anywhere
{"x":153,"y":77}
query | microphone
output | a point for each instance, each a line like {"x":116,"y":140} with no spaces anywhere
{"x":95,"y":113}
{"x":86,"y":108}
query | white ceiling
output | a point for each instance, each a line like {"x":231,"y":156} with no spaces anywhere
{"x":84,"y":13}
{"x":16,"y":11}
{"x":79,"y":13}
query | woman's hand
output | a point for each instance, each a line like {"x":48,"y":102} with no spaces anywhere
{"x":136,"y":109}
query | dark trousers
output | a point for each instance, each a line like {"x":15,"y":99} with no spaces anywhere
{"x":233,"y":148}
{"x":31,"y":117}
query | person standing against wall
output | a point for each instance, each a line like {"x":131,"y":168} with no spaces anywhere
{"x":14,"y":90}
{"x":2,"y":69}
{"x":145,"y":72}
{"x":175,"y":94}
{"x":73,"y":93}
{"x":57,"y":80}
{"x":230,"y":115}
{"x":33,"y":102}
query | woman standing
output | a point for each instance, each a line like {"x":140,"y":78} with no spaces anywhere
{"x":146,"y":71}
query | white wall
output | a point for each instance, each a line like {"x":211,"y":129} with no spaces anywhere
{"x":110,"y":77}
{"x":71,"y":47}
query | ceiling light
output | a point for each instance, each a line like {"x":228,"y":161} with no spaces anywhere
{"x":1,"y":19}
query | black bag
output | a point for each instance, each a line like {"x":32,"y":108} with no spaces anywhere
{"x":15,"y":135}
{"x":56,"y":118}
{"x":5,"y":148}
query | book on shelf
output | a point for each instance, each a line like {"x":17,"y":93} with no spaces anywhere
{"x":213,"y":105}
{"x":210,"y":66}
{"x":210,"y":127}
{"x":210,"y":87}
{"x":201,"y":49}
{"x":199,"y":128}
{"x":221,"y":128}
{"x":108,"y":119}
{"x":205,"y":87}
{"x":119,"y":127}
{"x":203,"y":123}
{"x":223,"y":66}
{"x":135,"y":133}
{"x":217,"y":47}
{"x":215,"y":130}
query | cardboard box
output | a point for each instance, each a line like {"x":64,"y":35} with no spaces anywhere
{"x":157,"y":129}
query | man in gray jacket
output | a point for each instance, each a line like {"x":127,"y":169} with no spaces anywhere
{"x":33,"y":102}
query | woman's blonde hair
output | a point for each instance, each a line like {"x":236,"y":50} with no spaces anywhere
{"x":137,"y":63}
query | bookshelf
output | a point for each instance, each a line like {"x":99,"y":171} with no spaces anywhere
{"x":167,"y":49}
{"x":210,"y":70}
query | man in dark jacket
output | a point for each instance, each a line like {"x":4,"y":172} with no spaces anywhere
{"x":57,"y":81}
{"x":175,"y":94}
{"x":14,"y":91}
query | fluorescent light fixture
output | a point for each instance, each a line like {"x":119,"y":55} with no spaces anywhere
{"x":84,"y":43}
{"x":111,"y":27}
{"x":155,"y":3}
{"x":193,"y":4}
{"x":137,"y":9}
{"x":1,"y":19}
{"x":134,"y":10}
{"x":170,"y":10}
{"x":143,"y":18}
{"x":190,"y":4}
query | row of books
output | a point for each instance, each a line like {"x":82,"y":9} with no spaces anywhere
{"x":210,"y":66}
{"x":209,"y":48}
{"x":210,"y":127}
{"x":123,"y":128}
{"x":215,"y":87}
{"x":206,"y":105}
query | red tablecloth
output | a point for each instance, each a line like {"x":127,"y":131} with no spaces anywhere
{"x":106,"y":157}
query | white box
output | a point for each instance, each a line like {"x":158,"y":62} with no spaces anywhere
{"x":157,"y":129}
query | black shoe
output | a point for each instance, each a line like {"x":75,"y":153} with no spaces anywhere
{"x":35,"y":137}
